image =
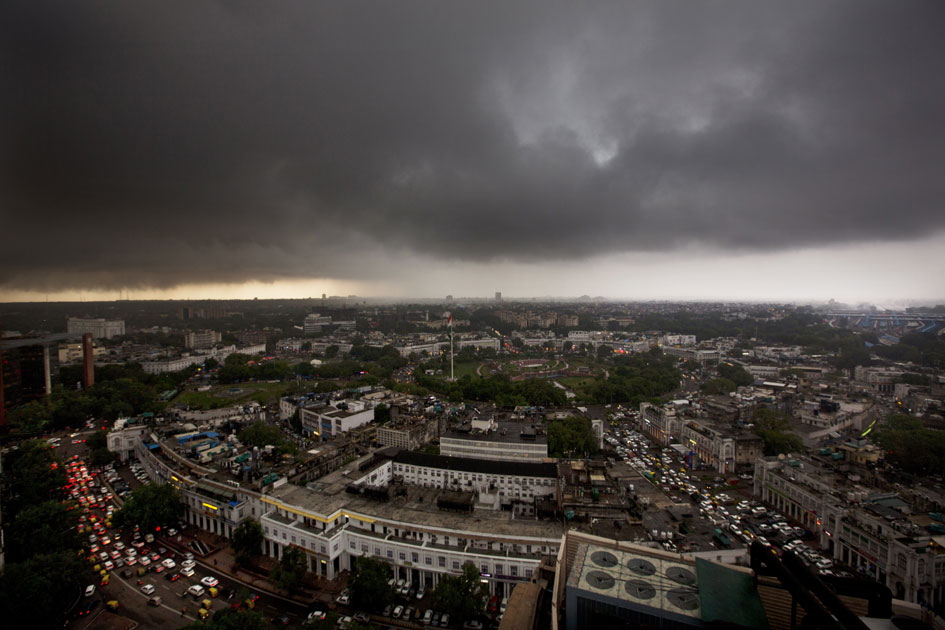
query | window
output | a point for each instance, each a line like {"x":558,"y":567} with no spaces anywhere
{"x":428,"y":560}
{"x":456,"y":565}
{"x":513,"y":571}
{"x":402,"y":556}
{"x":441,"y":561}
{"x":390,"y":554}
{"x":414,"y":556}
{"x":353,"y":545}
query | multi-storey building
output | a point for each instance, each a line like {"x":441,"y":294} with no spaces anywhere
{"x":425,"y":533}
{"x":339,"y":417}
{"x":868,"y":529}
{"x":202,"y":338}
{"x":408,"y":432}
{"x":500,"y":441}
{"x":100,"y":327}
{"x":313,"y":323}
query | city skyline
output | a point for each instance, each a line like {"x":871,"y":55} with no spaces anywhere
{"x":647,"y":151}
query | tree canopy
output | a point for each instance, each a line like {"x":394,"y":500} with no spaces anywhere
{"x":774,"y":428}
{"x":247,"y":541}
{"x":229,"y":619}
{"x":41,"y":526}
{"x":36,"y":592}
{"x":368,"y":584}
{"x":32,"y":475}
{"x":462,"y":596}
{"x":150,"y":506}
{"x":290,"y":570}
{"x":571,"y":437}
{"x":910,"y":445}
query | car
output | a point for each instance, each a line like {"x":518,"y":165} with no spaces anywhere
{"x":445,"y":620}
{"x":318,"y":615}
{"x":196,"y":590}
{"x":187,"y":572}
{"x":114,"y":554}
{"x":427,"y":617}
{"x":188,"y":564}
{"x":169,"y":564}
{"x":144,"y":561}
{"x":344,"y":622}
{"x":472,"y":624}
{"x":436,"y":619}
{"x":281,"y":620}
{"x":209,"y":581}
{"x":90,"y":590}
{"x":109,"y":565}
{"x":387,"y":610}
{"x":344,"y":598}
{"x":398,"y":611}
{"x":421,"y":592}
{"x":172,"y":577}
{"x":147,"y":589}
{"x":130,"y":561}
{"x":362,"y":618}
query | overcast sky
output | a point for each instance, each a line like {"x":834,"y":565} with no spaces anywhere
{"x":628,"y":149}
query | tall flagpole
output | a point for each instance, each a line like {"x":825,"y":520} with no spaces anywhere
{"x":450,"y":322}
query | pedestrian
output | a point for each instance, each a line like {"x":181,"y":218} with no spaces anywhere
{"x":182,"y":611}
{"x":214,"y":562}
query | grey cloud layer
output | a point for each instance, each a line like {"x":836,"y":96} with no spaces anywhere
{"x":203,"y":141}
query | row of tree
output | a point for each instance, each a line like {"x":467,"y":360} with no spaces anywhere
{"x":45,"y":568}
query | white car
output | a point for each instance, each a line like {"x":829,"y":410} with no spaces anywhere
{"x":144,"y":561}
{"x":90,"y":590}
{"x":169,"y":564}
{"x":196,"y":590}
{"x":187,"y":572}
{"x":209,"y":581}
{"x":188,"y":564}
{"x":147,"y":589}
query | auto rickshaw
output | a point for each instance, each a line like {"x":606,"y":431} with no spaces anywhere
{"x":203,"y":613}
{"x":112,"y":604}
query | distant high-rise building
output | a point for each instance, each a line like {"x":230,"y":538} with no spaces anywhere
{"x":498,"y":296}
{"x":324,"y":296}
{"x":100,"y":327}
{"x":88,"y":361}
{"x":27,"y":373}
{"x":313,"y":323}
{"x":202,"y":338}
{"x":449,"y":299}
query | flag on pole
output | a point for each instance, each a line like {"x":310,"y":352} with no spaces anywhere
{"x":449,"y":320}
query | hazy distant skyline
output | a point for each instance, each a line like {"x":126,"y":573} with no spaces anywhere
{"x":677,"y":150}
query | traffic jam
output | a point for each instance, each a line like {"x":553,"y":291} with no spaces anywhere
{"x":738,"y":519}
{"x":136,"y":557}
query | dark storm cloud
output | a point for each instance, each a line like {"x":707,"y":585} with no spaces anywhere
{"x":228,"y":141}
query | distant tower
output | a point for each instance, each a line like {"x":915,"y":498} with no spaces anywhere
{"x":88,"y":361}
{"x":324,"y":296}
{"x":498,"y":296}
{"x":449,"y":299}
